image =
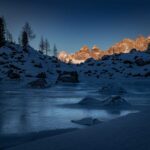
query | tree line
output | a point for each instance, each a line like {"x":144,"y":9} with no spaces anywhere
{"x":24,"y":38}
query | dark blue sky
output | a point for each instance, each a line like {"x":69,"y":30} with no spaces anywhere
{"x":74,"y":23}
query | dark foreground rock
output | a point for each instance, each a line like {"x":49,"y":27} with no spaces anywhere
{"x":87,"y":121}
{"x":71,"y":77}
{"x":111,"y":101}
{"x":39,"y":83}
{"x":13,"y":75}
{"x":89,"y":101}
{"x":115,"y":100}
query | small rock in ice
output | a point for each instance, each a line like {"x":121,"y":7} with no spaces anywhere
{"x":87,"y":121}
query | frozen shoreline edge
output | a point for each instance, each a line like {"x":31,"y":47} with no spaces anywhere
{"x":9,"y":141}
{"x":80,"y":139}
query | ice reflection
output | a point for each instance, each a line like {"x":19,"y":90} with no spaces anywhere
{"x":27,"y":110}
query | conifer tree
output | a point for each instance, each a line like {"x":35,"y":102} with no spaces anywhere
{"x":55,"y":51}
{"x":47,"y":46}
{"x":148,"y":48}
{"x":25,"y":41}
{"x":27,"y":28}
{"x":2,"y":31}
{"x":41,"y":46}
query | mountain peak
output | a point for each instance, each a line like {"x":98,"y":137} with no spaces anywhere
{"x":95,"y":48}
{"x":85,"y":48}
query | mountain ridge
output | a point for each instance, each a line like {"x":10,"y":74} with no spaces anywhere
{"x":141,"y":43}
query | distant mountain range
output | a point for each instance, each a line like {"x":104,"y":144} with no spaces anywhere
{"x":125,"y":46}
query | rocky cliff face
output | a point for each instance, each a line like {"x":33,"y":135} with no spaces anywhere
{"x":125,"y":46}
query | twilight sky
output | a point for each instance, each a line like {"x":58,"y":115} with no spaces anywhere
{"x":74,"y":23}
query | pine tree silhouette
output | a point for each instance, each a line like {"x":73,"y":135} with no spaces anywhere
{"x":47,"y":46}
{"x":148,"y":48}
{"x":55,"y":51}
{"x":2,"y":32}
{"x":27,"y":28}
{"x":25,"y":41}
{"x":42,"y":45}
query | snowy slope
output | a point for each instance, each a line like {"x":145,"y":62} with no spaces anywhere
{"x":135,"y":64}
{"x":27,"y":66}
{"x":17,"y":64}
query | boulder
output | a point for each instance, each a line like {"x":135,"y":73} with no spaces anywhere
{"x":38,"y":65}
{"x":41,"y":75}
{"x":71,"y":77}
{"x":87,"y":121}
{"x":89,"y":101}
{"x":115,"y":100}
{"x":13,"y":75}
{"x":39,"y":83}
{"x":147,"y":74}
{"x":140,"y":62}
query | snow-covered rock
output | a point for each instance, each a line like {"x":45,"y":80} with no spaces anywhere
{"x":71,"y":77}
{"x":87,"y":121}
{"x":115,"y":101}
{"x":89,"y":101}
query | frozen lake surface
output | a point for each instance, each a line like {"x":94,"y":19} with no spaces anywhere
{"x":25,"y":110}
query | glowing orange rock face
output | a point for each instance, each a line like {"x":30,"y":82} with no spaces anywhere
{"x":125,"y":46}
